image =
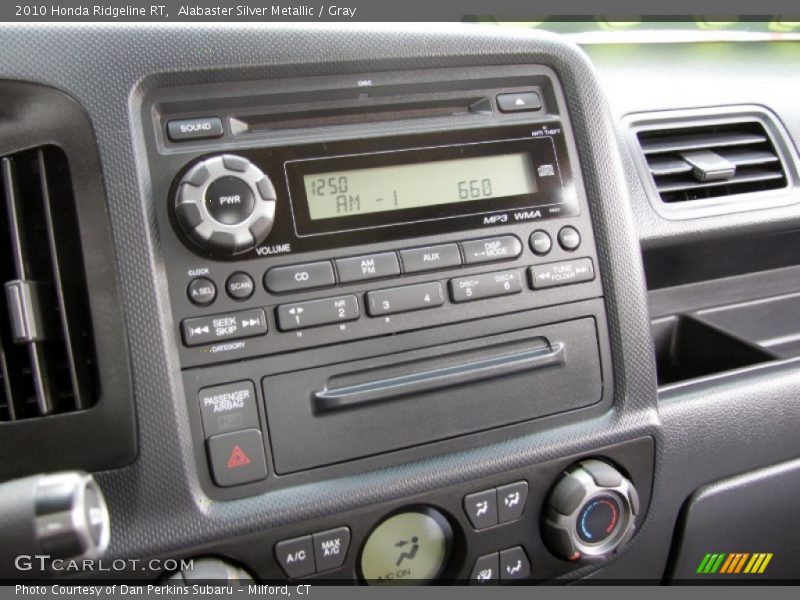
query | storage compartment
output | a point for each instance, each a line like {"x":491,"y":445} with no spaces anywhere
{"x":351,"y":410}
{"x":687,"y":347}
{"x":771,"y":323}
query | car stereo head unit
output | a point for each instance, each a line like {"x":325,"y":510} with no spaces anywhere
{"x":334,"y":194}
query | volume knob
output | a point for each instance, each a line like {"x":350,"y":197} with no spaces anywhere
{"x":590,"y":512}
{"x":225,"y":205}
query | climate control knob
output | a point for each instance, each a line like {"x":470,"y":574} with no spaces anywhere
{"x":590,"y":512}
{"x":225,"y":205}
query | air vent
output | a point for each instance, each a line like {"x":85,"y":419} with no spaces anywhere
{"x":46,"y":356}
{"x":710,"y":161}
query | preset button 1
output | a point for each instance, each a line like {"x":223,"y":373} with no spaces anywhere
{"x":317,"y":312}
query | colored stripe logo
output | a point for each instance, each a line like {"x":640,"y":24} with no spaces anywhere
{"x":734,"y":563}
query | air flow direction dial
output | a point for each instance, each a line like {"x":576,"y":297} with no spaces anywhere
{"x":225,"y":205}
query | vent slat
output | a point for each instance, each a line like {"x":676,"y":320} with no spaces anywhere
{"x":752,"y":163}
{"x":661,"y":166}
{"x":698,"y":141}
{"x":52,"y":371}
{"x":676,"y":186}
{"x":52,"y":195}
{"x":746,"y":157}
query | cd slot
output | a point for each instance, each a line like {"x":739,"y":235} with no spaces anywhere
{"x":345,"y":411}
{"x":367,"y":111}
{"x":382,"y":389}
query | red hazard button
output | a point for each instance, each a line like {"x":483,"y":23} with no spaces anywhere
{"x":237,"y":458}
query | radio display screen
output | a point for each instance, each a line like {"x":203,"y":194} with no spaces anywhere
{"x":430,"y":188}
{"x":338,"y":194}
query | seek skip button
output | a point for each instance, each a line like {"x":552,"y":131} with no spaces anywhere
{"x":227,"y":326}
{"x":228,"y":407}
{"x":330,"y":548}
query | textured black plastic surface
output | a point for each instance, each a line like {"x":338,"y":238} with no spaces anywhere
{"x":36,"y":116}
{"x":158,"y":505}
{"x":303,"y":439}
{"x":754,"y":512}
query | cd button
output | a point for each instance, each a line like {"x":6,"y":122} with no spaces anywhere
{"x":494,"y":249}
{"x":372,"y":266}
{"x":430,"y":258}
{"x":229,"y":200}
{"x":299,"y":277}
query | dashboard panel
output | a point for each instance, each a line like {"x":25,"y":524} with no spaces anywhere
{"x":472,"y":364}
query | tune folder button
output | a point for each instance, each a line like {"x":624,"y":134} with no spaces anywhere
{"x":561,"y":273}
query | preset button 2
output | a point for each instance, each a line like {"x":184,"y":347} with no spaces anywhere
{"x":317,"y":312}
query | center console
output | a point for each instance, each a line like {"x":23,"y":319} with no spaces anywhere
{"x":365,"y":270}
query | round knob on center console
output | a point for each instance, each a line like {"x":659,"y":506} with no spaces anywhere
{"x":225,"y":205}
{"x":590,"y":512}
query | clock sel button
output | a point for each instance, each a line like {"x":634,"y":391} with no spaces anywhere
{"x":229,"y":200}
{"x":201,"y":291}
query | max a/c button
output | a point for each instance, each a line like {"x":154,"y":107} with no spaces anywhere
{"x":237,"y":458}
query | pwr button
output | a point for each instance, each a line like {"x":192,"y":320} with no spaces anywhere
{"x":237,"y":458}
